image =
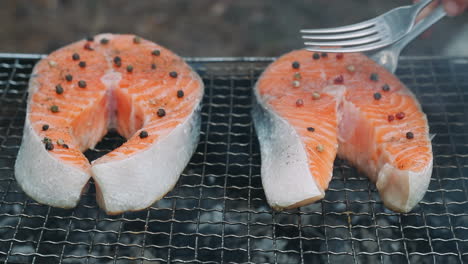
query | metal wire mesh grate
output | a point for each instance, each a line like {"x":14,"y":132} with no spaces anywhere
{"x":217,"y":212}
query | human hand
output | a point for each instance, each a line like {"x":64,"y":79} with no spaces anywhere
{"x":452,"y":7}
{"x":455,"y":7}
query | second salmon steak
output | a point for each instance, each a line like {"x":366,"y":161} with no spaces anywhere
{"x":312,"y":107}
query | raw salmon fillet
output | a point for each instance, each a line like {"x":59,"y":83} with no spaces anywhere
{"x":79,"y":92}
{"x":312,"y":107}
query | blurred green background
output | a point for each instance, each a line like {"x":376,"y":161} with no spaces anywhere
{"x":204,"y":27}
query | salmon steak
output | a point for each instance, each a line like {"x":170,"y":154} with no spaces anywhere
{"x":311,"y":107}
{"x":148,"y":94}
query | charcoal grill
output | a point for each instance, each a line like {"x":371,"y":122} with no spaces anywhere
{"x":218,"y":213}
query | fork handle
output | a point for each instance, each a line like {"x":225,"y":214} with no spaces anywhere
{"x":420,"y":27}
{"x":388,"y":57}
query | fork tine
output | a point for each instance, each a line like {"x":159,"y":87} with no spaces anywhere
{"x":350,"y":49}
{"x":361,"y":25}
{"x":372,"y":34}
{"x":342,"y":43}
{"x":355,"y":34}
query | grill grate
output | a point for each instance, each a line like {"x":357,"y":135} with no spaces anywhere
{"x":217,"y":212}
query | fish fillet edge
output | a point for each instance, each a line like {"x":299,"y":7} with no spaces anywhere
{"x":64,"y":183}
{"x":138,"y":181}
{"x":285,"y":174}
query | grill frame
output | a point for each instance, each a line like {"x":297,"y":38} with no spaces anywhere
{"x":217,"y":212}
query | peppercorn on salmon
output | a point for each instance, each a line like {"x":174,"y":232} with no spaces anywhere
{"x":79,"y":92}
{"x":312,"y":107}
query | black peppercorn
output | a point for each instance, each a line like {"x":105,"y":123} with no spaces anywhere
{"x":59,"y":89}
{"x":161,"y":112}
{"x":82,"y":84}
{"x":180,"y":94}
{"x":409,"y":135}
{"x":143,"y":134}
{"x":296,"y":65}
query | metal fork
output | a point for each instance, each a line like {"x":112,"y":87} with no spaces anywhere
{"x":388,"y":56}
{"x":368,"y":35}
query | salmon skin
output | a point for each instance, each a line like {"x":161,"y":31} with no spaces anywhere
{"x":312,"y":107}
{"x":79,"y":92}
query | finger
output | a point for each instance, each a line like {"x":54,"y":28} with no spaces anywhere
{"x":455,"y":7}
{"x":427,"y":10}
{"x":427,"y":34}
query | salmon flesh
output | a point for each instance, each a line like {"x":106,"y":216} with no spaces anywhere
{"x":79,"y":92}
{"x":312,"y":107}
